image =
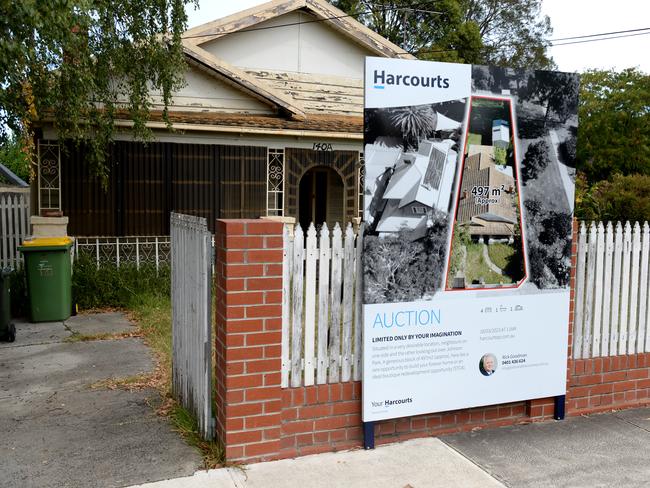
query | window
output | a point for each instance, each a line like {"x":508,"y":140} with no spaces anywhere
{"x":275,"y":182}
{"x":419,"y":210}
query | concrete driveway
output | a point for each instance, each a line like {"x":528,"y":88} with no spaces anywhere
{"x":57,"y":432}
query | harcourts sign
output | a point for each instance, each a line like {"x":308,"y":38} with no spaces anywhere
{"x":466,"y":297}
{"x":391,"y":82}
{"x":382,"y":78}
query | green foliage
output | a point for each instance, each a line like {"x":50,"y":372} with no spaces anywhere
{"x":123,"y":287}
{"x":465,"y":31}
{"x":477,"y":270}
{"x":82,"y":63}
{"x":500,"y":156}
{"x":460,"y":240}
{"x":501,"y":254}
{"x":620,"y":198}
{"x":614,"y":124}
{"x":15,"y":156}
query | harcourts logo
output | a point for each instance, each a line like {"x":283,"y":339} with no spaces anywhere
{"x":382,"y":79}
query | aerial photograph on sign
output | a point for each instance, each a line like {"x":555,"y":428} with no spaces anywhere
{"x":472,"y":193}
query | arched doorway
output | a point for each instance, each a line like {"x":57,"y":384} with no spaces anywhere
{"x":321,"y":197}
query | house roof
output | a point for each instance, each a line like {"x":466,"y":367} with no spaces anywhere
{"x":480,"y":171}
{"x":326,"y":123}
{"x":286,"y":98}
{"x":321,"y":9}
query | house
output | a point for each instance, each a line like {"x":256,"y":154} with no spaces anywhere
{"x":487,"y":203}
{"x":420,"y":183}
{"x":270,"y":123}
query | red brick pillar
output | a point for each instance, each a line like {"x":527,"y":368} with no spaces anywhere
{"x":248,"y":280}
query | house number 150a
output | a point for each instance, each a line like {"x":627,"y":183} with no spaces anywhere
{"x":322,"y":146}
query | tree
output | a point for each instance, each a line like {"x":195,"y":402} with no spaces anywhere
{"x":535,"y":161}
{"x":84,"y":63}
{"x":505,"y":32}
{"x":614,"y":124}
{"x":14,"y":156}
{"x":415,"y":123}
{"x":514,"y":32}
{"x":557,"y":91}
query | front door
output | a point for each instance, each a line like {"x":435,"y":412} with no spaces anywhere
{"x":321,"y":198}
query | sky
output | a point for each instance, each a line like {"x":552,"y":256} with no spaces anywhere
{"x":568,"y":17}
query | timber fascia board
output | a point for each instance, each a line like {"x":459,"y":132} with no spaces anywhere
{"x":241,"y":20}
{"x":242,"y":80}
{"x":321,"y":9}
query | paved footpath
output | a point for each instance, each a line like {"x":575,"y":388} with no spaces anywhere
{"x":607,"y":450}
{"x":57,"y":432}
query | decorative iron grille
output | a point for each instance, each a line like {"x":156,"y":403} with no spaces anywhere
{"x":275,"y":183}
{"x":49,"y":176}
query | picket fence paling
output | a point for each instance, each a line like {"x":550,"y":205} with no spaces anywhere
{"x":612,"y":316}
{"x":321,"y":342}
{"x":14,"y":227}
{"x":191,"y":260}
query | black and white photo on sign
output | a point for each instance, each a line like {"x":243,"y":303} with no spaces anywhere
{"x":472,"y":193}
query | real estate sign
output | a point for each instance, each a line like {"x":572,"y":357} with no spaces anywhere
{"x":468,"y":204}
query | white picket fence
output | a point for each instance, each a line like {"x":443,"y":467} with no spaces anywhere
{"x":322,"y":297}
{"x":321,"y":307}
{"x":612,"y":316}
{"x":191,"y":259}
{"x":14,"y":227}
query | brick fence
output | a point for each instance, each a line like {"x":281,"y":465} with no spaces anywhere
{"x":259,"y":420}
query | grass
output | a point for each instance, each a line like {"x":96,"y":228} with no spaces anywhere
{"x":152,"y":313}
{"x":500,"y":254}
{"x":476,"y":269}
{"x":474,"y":139}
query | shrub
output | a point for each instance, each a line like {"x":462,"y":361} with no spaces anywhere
{"x":622,"y":198}
{"x":110,"y":286}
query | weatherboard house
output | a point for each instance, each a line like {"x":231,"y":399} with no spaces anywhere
{"x":270,"y":123}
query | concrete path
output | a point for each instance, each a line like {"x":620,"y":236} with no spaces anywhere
{"x":488,"y":261}
{"x":57,"y":432}
{"x":416,"y":464}
{"x":580,"y":452}
{"x":604,"y":450}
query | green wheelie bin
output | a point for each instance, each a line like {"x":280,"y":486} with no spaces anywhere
{"x":49,"y":278}
{"x":7,"y":329}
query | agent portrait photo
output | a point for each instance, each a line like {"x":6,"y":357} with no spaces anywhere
{"x":488,"y":364}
